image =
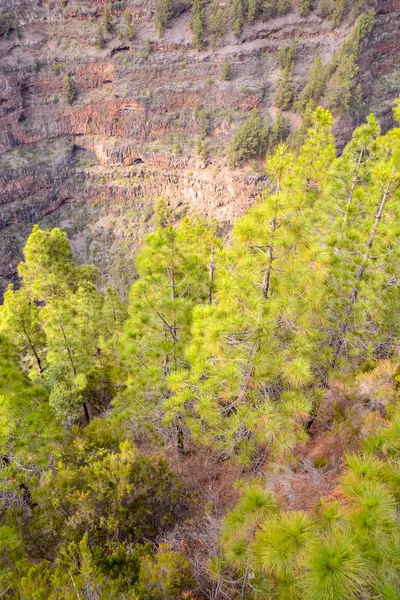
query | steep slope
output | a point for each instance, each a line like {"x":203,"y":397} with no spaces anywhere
{"x":96,"y":167}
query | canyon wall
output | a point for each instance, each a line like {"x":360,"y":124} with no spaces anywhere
{"x":97,"y":166}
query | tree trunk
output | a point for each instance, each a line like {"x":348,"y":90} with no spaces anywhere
{"x":365,"y":258}
{"x":267,"y":273}
{"x":211,"y":270}
{"x":86,"y":411}
{"x":360,"y":271}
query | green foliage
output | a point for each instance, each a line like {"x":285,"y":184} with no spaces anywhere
{"x":284,"y":6}
{"x":237,"y":17}
{"x":20,"y":321}
{"x":198,"y":22}
{"x":343,"y":548}
{"x":240,"y":348}
{"x":174,"y":277}
{"x":166,"y":576}
{"x":315,"y":86}
{"x":226,"y":74}
{"x":27,"y":427}
{"x":57,"y":67}
{"x":337,"y":79}
{"x":233,"y":345}
{"x":201,"y":148}
{"x":49,"y":268}
{"x":250,"y":139}
{"x":252,"y":10}
{"x":287,"y":55}
{"x":130,"y":27}
{"x":162,"y":212}
{"x":100,"y":39}
{"x":163,"y":15}
{"x":279,"y":132}
{"x":141,"y":494}
{"x":107,"y":22}
{"x":284,"y":93}
{"x":70,"y":89}
{"x":305,"y":7}
{"x":216,"y":22}
{"x":97,"y":510}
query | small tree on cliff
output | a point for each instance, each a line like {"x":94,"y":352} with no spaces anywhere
{"x":100,"y":40}
{"x":197,"y":23}
{"x":237,"y":17}
{"x":284,"y":93}
{"x":216,"y":22}
{"x":70,"y":89}
{"x":305,"y":7}
{"x":107,"y":21}
{"x":163,"y":15}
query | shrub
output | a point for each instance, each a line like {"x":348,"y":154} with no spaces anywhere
{"x":57,"y":67}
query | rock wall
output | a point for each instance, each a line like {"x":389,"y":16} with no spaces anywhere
{"x":97,"y":166}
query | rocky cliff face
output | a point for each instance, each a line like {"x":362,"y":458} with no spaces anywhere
{"x":97,"y":166}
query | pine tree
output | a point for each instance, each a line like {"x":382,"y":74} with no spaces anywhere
{"x":364,"y":189}
{"x":249,"y":140}
{"x":198,"y":22}
{"x":284,"y":6}
{"x":130,"y":28}
{"x":315,"y":86}
{"x":163,"y":15}
{"x":287,"y":55}
{"x":284,"y":93}
{"x":305,"y":7}
{"x":253,"y":343}
{"x":107,"y":20}
{"x":216,"y":22}
{"x":100,"y":39}
{"x":20,"y":320}
{"x":175,"y":275}
{"x":49,"y":268}
{"x":226,"y":74}
{"x":269,"y":9}
{"x":70,"y":89}
{"x":280,"y":131}
{"x":27,"y":427}
{"x":252,"y":10}
{"x":237,"y":17}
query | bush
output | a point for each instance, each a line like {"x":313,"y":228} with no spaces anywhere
{"x":57,"y":67}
